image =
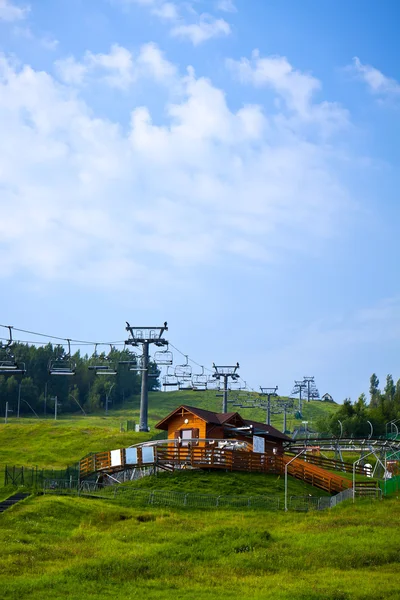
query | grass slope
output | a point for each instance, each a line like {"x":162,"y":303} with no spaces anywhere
{"x":223,"y":483}
{"x":85,"y":549}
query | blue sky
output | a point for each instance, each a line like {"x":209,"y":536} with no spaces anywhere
{"x":227,"y":166}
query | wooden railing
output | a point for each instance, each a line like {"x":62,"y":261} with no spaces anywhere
{"x":331,"y":464}
{"x":216,"y":458}
{"x":170,"y":456}
{"x":315,"y":475}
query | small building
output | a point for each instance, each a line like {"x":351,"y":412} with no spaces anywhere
{"x":189,"y":423}
{"x":327,"y":398}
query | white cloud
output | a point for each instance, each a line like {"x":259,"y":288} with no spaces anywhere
{"x":151,"y":61}
{"x":11,"y":12}
{"x":295,"y":87}
{"x":377,"y":82}
{"x":95,"y":203}
{"x":226,"y":6}
{"x":167,"y":11}
{"x":47,"y":41}
{"x":161,"y":8}
{"x":207,"y":27}
{"x":118,"y":69}
{"x":186,"y":23}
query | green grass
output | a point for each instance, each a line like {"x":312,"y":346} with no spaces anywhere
{"x":78,"y":548}
{"x":85,"y":549}
{"x":223,"y":483}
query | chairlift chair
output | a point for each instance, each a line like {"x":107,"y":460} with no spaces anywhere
{"x":164,"y":357}
{"x":200,"y":379}
{"x":138,"y":365}
{"x":185,"y":385}
{"x":103,"y":364}
{"x":169,"y":380}
{"x":131,"y":359}
{"x":63,"y":365}
{"x":8,"y":364}
{"x":183,"y":372}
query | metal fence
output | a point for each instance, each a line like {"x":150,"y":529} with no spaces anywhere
{"x":175,"y":499}
{"x":33,"y":477}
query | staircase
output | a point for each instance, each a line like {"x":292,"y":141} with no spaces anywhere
{"x":12,"y":500}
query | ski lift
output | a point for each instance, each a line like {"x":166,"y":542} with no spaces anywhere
{"x":183,"y":372}
{"x":200,"y":379}
{"x":131,"y":359}
{"x":199,"y":387}
{"x":103,"y":364}
{"x":185,"y":385}
{"x":212,"y":383}
{"x":8,"y":364}
{"x":63,"y":365}
{"x":153,"y":374}
{"x":137,"y":365}
{"x":164,"y":357}
{"x":169,"y":380}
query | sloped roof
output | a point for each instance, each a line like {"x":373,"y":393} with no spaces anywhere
{"x":206,"y":415}
{"x":268,"y":429}
{"x":223,"y":418}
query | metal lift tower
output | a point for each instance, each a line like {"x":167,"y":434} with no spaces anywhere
{"x":145,"y":336}
{"x":225,"y":372}
{"x":268,"y":392}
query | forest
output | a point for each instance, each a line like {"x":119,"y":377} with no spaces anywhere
{"x":36,"y":390}
{"x":378,"y":415}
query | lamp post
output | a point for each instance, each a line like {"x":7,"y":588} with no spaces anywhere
{"x":286,"y":474}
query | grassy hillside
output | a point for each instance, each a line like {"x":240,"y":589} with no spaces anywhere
{"x":85,"y":549}
{"x":221,"y":483}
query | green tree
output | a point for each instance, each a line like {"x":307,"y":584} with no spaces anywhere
{"x":374,"y":391}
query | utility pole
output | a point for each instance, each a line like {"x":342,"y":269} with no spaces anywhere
{"x":145,"y":336}
{"x":19,"y":398}
{"x":225,"y":372}
{"x":107,"y":397}
{"x":268,"y":392}
{"x":56,"y":405}
{"x":8,"y":410}
{"x":299,"y":386}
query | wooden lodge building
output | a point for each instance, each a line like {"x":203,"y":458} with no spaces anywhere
{"x":198,"y":427}
{"x":202,"y":439}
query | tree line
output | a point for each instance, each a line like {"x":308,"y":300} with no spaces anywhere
{"x":380,"y":410}
{"x":37,"y":389}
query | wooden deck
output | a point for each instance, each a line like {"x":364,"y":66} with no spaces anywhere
{"x":169,"y":457}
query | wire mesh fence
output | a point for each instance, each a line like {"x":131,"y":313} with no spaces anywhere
{"x":166,"y":498}
{"x":33,"y":477}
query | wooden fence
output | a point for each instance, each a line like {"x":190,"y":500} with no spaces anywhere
{"x":170,"y":456}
